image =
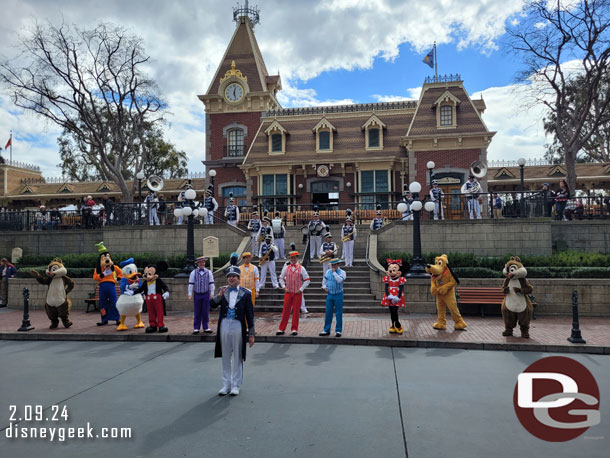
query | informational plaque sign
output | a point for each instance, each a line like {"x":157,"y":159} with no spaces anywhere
{"x":210,"y":249}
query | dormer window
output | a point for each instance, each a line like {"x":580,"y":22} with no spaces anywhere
{"x":276,"y":134}
{"x":324,"y":131}
{"x":446,"y":110}
{"x":324,"y":140}
{"x":446,"y":115}
{"x":373,"y":129}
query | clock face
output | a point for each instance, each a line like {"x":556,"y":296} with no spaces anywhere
{"x":234,"y":92}
{"x":323,"y":171}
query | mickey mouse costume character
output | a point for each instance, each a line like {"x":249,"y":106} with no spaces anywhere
{"x":107,"y":274}
{"x":394,"y":296}
{"x":155,"y":291}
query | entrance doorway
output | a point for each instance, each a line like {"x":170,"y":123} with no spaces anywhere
{"x":325,"y":194}
{"x":451,"y":184}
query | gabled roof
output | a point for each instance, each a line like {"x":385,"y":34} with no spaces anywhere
{"x":445,"y":96}
{"x":373,"y":120}
{"x":557,"y":170}
{"x":66,"y":187}
{"x":504,"y":173}
{"x":244,"y":51}
{"x":275,"y":125}
{"x":324,"y":124}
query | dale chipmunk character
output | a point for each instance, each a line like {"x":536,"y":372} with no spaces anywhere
{"x":130,"y":304}
{"x":394,"y":295}
{"x":516,"y":306}
{"x":106,"y":274}
{"x":155,"y":291}
{"x":442,"y":286}
{"x":57,"y":304}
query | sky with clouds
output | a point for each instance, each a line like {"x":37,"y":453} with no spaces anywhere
{"x":327,"y":52}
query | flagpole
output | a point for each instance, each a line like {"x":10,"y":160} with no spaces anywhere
{"x":435,"y":68}
{"x":11,"y":140}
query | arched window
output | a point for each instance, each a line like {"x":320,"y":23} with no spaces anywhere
{"x":236,"y":143}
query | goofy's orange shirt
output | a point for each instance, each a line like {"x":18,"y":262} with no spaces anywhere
{"x":109,"y":275}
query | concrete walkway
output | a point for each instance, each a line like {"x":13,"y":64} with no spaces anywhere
{"x":547,"y":333}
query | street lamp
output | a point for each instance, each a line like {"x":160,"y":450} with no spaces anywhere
{"x":521,"y":161}
{"x":431,"y":166}
{"x":140,"y":176}
{"x":418,"y":267}
{"x":212,"y":176}
{"x":190,"y":211}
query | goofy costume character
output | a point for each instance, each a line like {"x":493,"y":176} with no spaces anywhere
{"x":107,"y":274}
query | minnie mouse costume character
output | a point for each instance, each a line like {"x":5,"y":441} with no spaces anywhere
{"x":394,"y":296}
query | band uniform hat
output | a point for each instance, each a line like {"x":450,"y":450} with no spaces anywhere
{"x":316,"y":214}
{"x":268,"y":237}
{"x":293,"y":253}
{"x":470,"y":176}
{"x":233,"y":270}
{"x":266,"y":218}
{"x":546,"y":184}
{"x":246,"y":253}
{"x":328,"y":234}
{"x":434,"y":182}
{"x":348,"y":219}
{"x":335,"y":261}
{"x":201,"y":258}
{"x":126,"y":262}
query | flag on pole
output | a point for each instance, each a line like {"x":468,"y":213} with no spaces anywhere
{"x":429,"y":59}
{"x":8,"y":143}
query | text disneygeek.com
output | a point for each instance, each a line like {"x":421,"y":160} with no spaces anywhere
{"x":21,"y":426}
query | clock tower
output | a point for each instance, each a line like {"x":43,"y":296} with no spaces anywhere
{"x":239,"y":93}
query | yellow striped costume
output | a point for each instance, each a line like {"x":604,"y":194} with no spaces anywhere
{"x":249,"y":279}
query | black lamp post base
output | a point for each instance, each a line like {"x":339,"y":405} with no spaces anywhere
{"x":26,"y":326}
{"x":418,"y":269}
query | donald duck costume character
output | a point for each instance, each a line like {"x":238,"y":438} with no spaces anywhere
{"x":129,"y":304}
{"x":235,"y":311}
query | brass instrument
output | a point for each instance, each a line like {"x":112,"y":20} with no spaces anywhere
{"x":265,"y":258}
{"x":346,"y":238}
{"x":261,"y":238}
{"x":326,"y":258}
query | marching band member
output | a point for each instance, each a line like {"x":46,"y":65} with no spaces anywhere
{"x":316,"y":226}
{"x":278,"y":234}
{"x":265,"y":230}
{"x":294,"y":279}
{"x":210,"y":204}
{"x":267,"y":255}
{"x":200,"y":291}
{"x":152,"y":203}
{"x":348,"y":232}
{"x":181,"y":200}
{"x":407,"y":215}
{"x":328,"y":250}
{"x":249,"y":275}
{"x":377,"y":222}
{"x":232,"y":212}
{"x":471,"y":188}
{"x":254,"y":226}
{"x":436,"y":195}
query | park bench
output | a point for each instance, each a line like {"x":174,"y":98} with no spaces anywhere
{"x":483,"y":296}
{"x":94,"y":297}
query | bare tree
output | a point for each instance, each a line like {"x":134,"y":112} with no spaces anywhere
{"x":91,"y":83}
{"x":550,"y":34}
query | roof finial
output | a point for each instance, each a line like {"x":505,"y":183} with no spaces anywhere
{"x":245,"y":11}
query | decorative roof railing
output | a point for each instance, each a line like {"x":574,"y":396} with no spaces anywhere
{"x":443,"y":78}
{"x":60,"y":180}
{"x":342,"y":108}
{"x":251,"y":12}
{"x":22,"y":165}
{"x":529,"y":162}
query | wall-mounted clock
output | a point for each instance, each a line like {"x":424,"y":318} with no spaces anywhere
{"x":323,"y":171}
{"x":234,"y":92}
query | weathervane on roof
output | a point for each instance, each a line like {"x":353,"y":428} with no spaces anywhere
{"x":241,"y":11}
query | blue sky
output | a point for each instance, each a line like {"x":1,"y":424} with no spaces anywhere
{"x":327,"y":52}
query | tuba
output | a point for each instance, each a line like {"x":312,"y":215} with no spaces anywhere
{"x":154,"y":183}
{"x":478,"y":169}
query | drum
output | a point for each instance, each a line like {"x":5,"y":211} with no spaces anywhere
{"x":276,"y":224}
{"x":305,"y":230}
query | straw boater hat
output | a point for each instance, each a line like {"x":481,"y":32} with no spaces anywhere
{"x":246,"y":253}
{"x":335,"y":261}
{"x":201,"y":258}
{"x":293,"y":253}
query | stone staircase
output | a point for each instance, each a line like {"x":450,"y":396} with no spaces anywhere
{"x":357,"y":292}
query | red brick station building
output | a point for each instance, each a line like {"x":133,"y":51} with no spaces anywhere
{"x":275,"y":157}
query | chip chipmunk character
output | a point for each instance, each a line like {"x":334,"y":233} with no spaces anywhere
{"x":57,"y":303}
{"x":516,"y":306}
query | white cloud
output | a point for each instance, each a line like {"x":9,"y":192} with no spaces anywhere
{"x":186,"y":41}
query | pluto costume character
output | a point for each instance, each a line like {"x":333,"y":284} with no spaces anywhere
{"x":516,"y":306}
{"x":57,"y":304}
{"x":442,"y":286}
{"x":129,"y":304}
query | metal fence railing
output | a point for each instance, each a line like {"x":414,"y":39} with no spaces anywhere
{"x":451,"y":206}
